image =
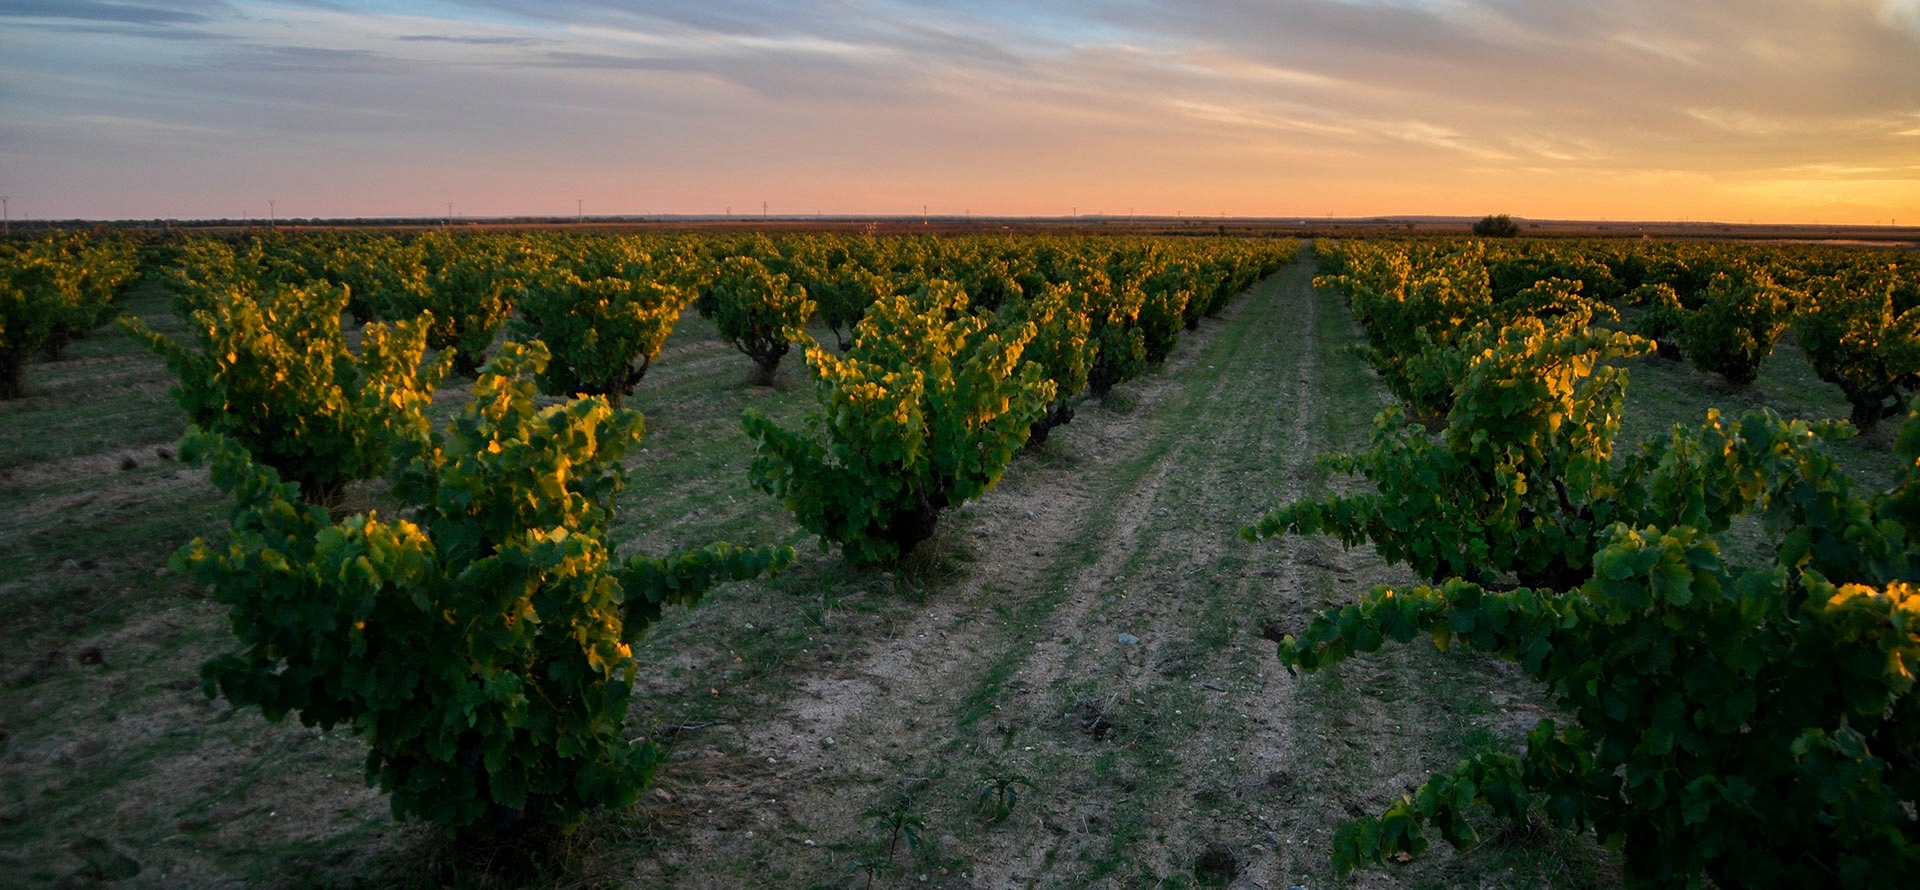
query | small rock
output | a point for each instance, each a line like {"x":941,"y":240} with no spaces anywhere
{"x":127,"y":462}
{"x":69,"y":564}
{"x":1128,"y":639}
{"x":163,"y":452}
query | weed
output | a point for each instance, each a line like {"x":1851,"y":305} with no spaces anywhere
{"x":895,"y":823}
{"x":999,"y":792}
{"x":819,"y":615}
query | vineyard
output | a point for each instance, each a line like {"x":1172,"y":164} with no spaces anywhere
{"x":813,"y":560}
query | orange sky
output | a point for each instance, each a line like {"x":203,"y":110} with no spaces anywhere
{"x":1756,"y":110}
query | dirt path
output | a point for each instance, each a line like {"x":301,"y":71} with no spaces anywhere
{"x":1094,"y":628}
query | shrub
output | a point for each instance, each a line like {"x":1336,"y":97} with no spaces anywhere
{"x":1662,"y":319}
{"x":1059,"y":346}
{"x":386,"y":279}
{"x":1855,"y":339}
{"x":1167,"y":294}
{"x":1739,"y":318}
{"x":482,"y":643}
{"x":760,"y":312}
{"x":844,"y":297}
{"x":922,"y":414}
{"x":1113,"y":315}
{"x":471,"y":286}
{"x":1755,"y":728}
{"x":53,"y":291}
{"x":1520,"y":480}
{"x":274,"y":373}
{"x":603,"y":332}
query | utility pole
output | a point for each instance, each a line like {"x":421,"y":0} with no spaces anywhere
{"x":273,"y":215}
{"x":763,"y":210}
{"x":6,"y":221}
{"x":449,"y":214}
{"x":579,"y":210}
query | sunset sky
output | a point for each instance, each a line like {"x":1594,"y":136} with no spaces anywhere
{"x":1760,"y":110}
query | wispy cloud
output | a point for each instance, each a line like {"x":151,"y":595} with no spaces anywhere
{"x":1903,"y":13}
{"x":1000,"y":106}
{"x":471,"y":41}
{"x":98,"y":11}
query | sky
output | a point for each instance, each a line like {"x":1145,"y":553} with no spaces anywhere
{"x":1730,"y":110}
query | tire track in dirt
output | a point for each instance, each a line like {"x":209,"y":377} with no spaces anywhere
{"x":838,"y":749}
{"x":1144,"y":732}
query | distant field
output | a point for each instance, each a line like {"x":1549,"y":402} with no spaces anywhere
{"x":1280,"y":226}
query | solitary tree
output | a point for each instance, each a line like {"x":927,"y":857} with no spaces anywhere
{"x":1501,"y":226}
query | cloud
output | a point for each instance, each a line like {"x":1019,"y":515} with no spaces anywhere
{"x":607,"y":62}
{"x":305,"y":61}
{"x":1031,"y":104}
{"x":1901,"y":13}
{"x":1237,"y":117}
{"x":97,"y":11}
{"x":471,"y":41}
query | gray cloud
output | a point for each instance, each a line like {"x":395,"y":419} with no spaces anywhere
{"x":605,"y":62}
{"x":471,"y":41}
{"x":97,"y":11}
{"x":308,"y":60}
